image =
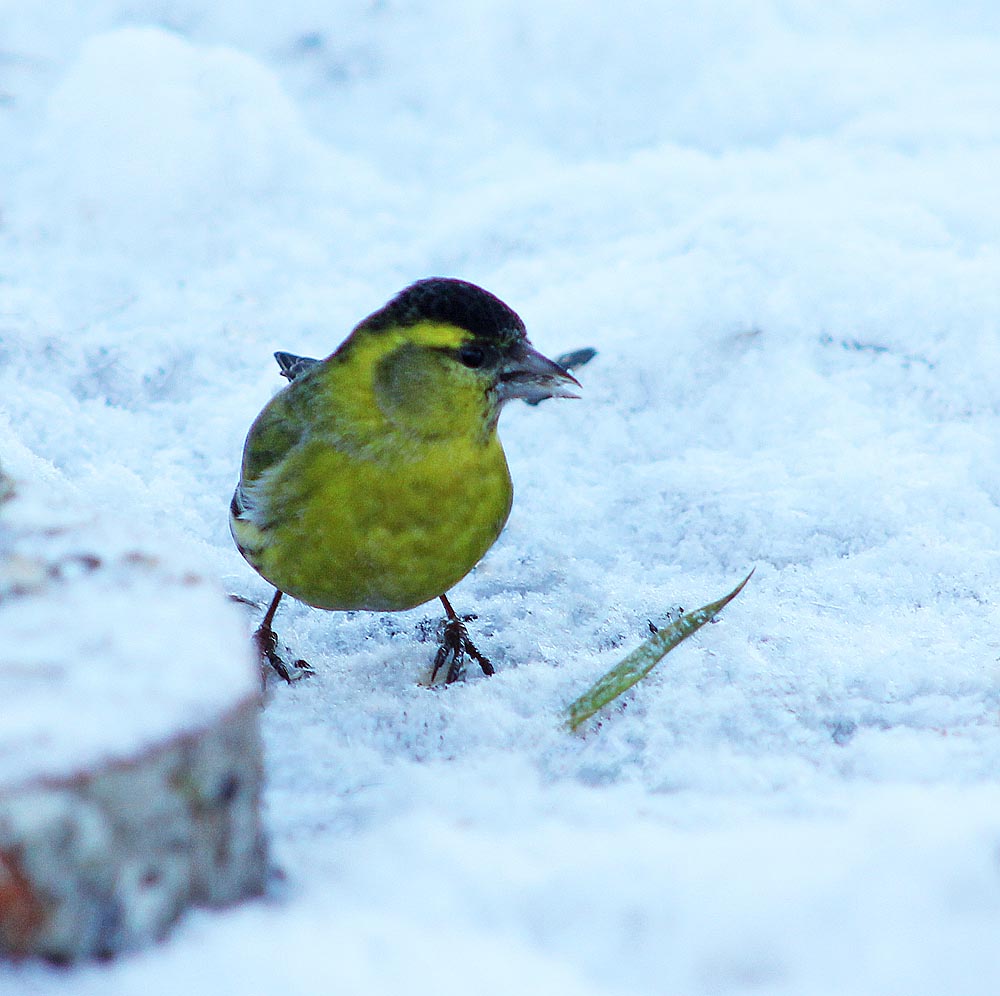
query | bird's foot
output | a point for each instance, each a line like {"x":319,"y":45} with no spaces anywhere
{"x":455,"y":647}
{"x":266,"y":642}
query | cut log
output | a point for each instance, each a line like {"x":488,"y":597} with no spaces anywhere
{"x":130,"y":750}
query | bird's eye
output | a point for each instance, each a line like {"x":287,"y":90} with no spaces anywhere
{"x":472,"y":356}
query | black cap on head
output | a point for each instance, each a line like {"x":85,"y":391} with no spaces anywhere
{"x":444,"y":299}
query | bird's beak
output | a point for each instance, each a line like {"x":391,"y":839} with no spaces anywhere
{"x":526,"y":374}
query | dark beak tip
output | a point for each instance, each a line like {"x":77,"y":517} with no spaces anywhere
{"x":567,"y":377}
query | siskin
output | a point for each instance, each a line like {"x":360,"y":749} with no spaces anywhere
{"x":376,"y":479}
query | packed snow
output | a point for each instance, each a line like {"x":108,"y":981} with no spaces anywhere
{"x":778,"y":223}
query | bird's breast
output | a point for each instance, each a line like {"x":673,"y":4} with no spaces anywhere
{"x":385,"y":534}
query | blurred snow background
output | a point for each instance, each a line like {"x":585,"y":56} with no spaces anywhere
{"x":779,"y":223}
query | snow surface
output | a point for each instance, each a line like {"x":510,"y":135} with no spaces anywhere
{"x":111,"y":645}
{"x":779,"y":223}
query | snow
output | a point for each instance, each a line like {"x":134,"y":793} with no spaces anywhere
{"x":113,"y":645}
{"x":777,"y":222}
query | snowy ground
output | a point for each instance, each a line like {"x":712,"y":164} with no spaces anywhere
{"x":779,"y":223}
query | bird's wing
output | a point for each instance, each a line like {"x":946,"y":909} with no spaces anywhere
{"x":275,"y":433}
{"x":283,"y":426}
{"x":279,"y":428}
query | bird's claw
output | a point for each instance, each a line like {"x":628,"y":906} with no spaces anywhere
{"x":266,"y":642}
{"x":455,"y":646}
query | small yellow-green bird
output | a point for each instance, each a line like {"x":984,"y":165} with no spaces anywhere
{"x":376,"y":479}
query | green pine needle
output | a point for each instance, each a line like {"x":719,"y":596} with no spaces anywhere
{"x":643,"y":659}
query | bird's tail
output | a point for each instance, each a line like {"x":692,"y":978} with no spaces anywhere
{"x":293,"y":366}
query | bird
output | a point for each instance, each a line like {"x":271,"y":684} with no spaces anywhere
{"x":376,"y":480}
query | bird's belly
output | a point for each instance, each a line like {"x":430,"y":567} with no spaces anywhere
{"x":362,"y":536}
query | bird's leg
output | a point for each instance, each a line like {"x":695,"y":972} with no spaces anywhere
{"x":266,"y":642}
{"x":455,"y":644}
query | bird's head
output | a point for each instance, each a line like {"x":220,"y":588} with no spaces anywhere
{"x":447,"y":355}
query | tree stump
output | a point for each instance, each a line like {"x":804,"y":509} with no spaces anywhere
{"x":130,"y":751}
